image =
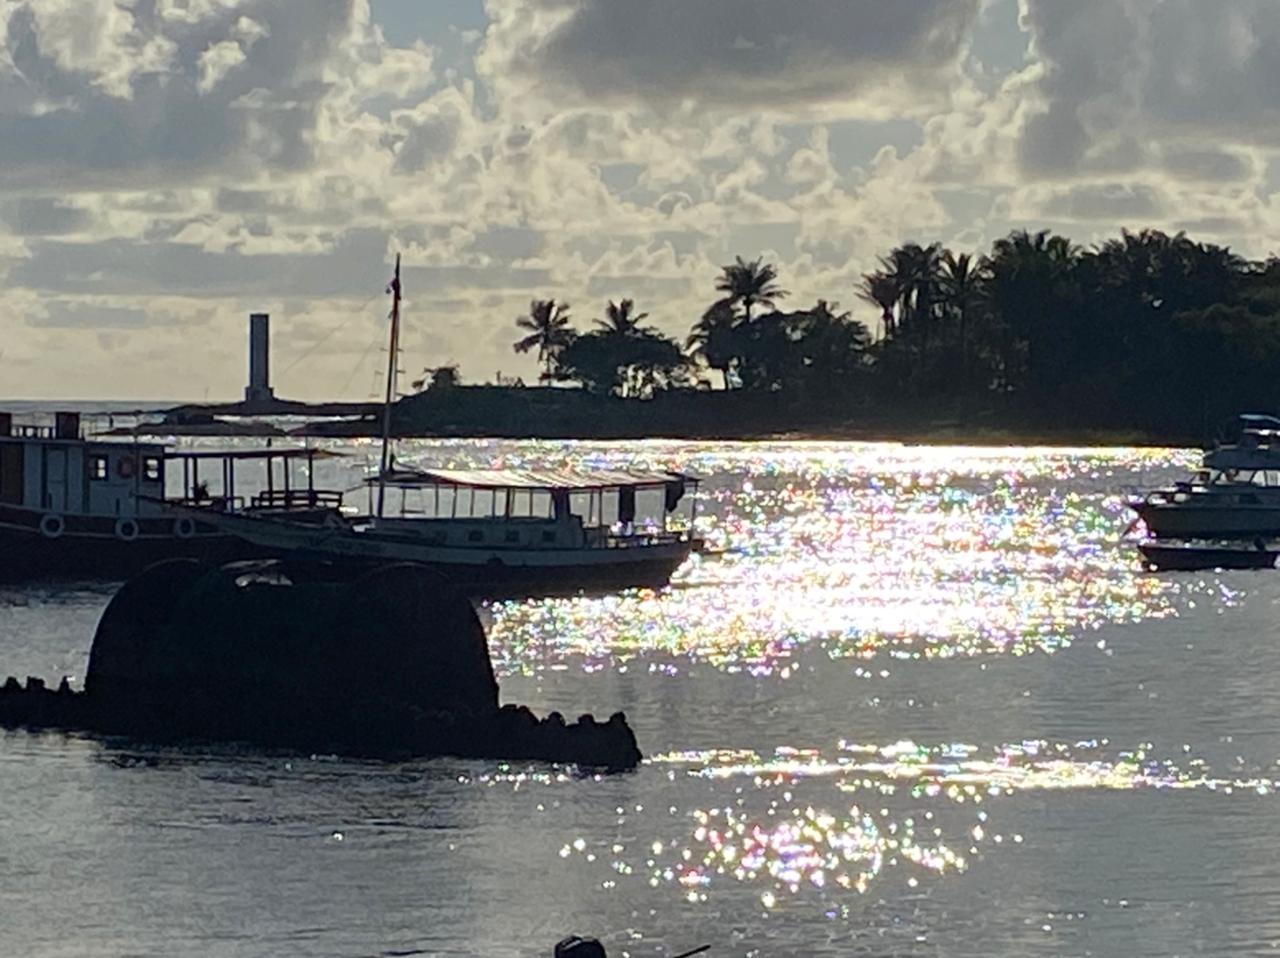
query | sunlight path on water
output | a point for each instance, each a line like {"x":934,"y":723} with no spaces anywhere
{"x":920,"y":553}
{"x":901,"y":809}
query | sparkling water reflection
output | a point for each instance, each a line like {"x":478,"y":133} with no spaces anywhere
{"x":911,"y":701}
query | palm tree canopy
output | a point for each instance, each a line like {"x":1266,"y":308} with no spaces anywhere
{"x":879,"y":289}
{"x":547,"y":323}
{"x":961,"y":280}
{"x":621,"y":319}
{"x":751,"y":284}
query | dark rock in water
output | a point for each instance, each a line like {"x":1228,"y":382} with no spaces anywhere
{"x":576,"y":947}
{"x":394,"y":664}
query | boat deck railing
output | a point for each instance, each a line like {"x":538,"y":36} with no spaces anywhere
{"x":297,"y":499}
{"x":606,"y":539}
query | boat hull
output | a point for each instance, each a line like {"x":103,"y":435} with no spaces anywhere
{"x":497,"y":581}
{"x":1168,"y":558}
{"x":481,"y":572}
{"x":92,"y":547}
{"x":1195,"y":521}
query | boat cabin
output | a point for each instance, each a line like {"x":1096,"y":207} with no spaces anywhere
{"x":537,"y":509}
{"x":55,"y":469}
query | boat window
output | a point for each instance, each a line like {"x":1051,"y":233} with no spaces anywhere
{"x":98,"y":468}
{"x":151,"y":469}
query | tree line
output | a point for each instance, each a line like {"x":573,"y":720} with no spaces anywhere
{"x":1147,"y":329}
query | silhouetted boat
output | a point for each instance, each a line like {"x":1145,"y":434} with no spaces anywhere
{"x":76,"y":506}
{"x":501,"y":532}
{"x":494,"y":532}
{"x":1236,"y":493}
{"x":1195,"y":557}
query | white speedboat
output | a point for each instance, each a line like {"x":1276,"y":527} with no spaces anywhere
{"x":1235,"y":494}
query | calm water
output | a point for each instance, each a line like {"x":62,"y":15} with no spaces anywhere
{"x":923,"y":703}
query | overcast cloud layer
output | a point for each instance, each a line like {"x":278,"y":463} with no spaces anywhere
{"x":167,"y":166}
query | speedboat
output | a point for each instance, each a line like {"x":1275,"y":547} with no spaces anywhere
{"x":1234,"y":495}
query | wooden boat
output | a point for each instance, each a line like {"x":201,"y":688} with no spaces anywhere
{"x":72,"y":506}
{"x":493,"y":532}
{"x":1195,"y":557}
{"x":501,"y":532}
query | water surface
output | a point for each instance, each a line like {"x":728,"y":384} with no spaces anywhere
{"x":919,"y":702}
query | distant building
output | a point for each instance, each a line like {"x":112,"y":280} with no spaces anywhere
{"x":259,"y":389}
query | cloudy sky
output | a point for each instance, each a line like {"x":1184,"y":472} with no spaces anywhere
{"x":168,"y":166}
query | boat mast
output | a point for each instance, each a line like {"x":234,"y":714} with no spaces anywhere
{"x":393,"y":363}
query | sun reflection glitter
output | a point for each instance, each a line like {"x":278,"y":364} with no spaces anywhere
{"x":865,"y":551}
{"x":899,"y":808}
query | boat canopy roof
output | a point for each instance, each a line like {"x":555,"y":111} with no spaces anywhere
{"x":242,"y":455}
{"x":546,"y":479}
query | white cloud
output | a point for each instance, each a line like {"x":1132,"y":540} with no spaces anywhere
{"x":167,"y":166}
{"x":743,"y":55}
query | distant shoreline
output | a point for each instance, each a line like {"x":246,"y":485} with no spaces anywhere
{"x":567,"y":415}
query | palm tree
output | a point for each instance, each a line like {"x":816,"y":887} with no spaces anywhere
{"x":914,"y":270}
{"x":750,"y":284}
{"x":714,"y":339}
{"x":549,"y":332}
{"x":881,"y":289}
{"x":961,"y":285}
{"x":620,"y":320}
{"x":1032,"y":292}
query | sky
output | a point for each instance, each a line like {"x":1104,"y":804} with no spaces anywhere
{"x":169,"y":166}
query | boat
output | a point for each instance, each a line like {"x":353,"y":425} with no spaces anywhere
{"x":87,"y":507}
{"x":496,"y":532}
{"x":1197,"y":557}
{"x":502,"y":532}
{"x":1234,"y":495}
